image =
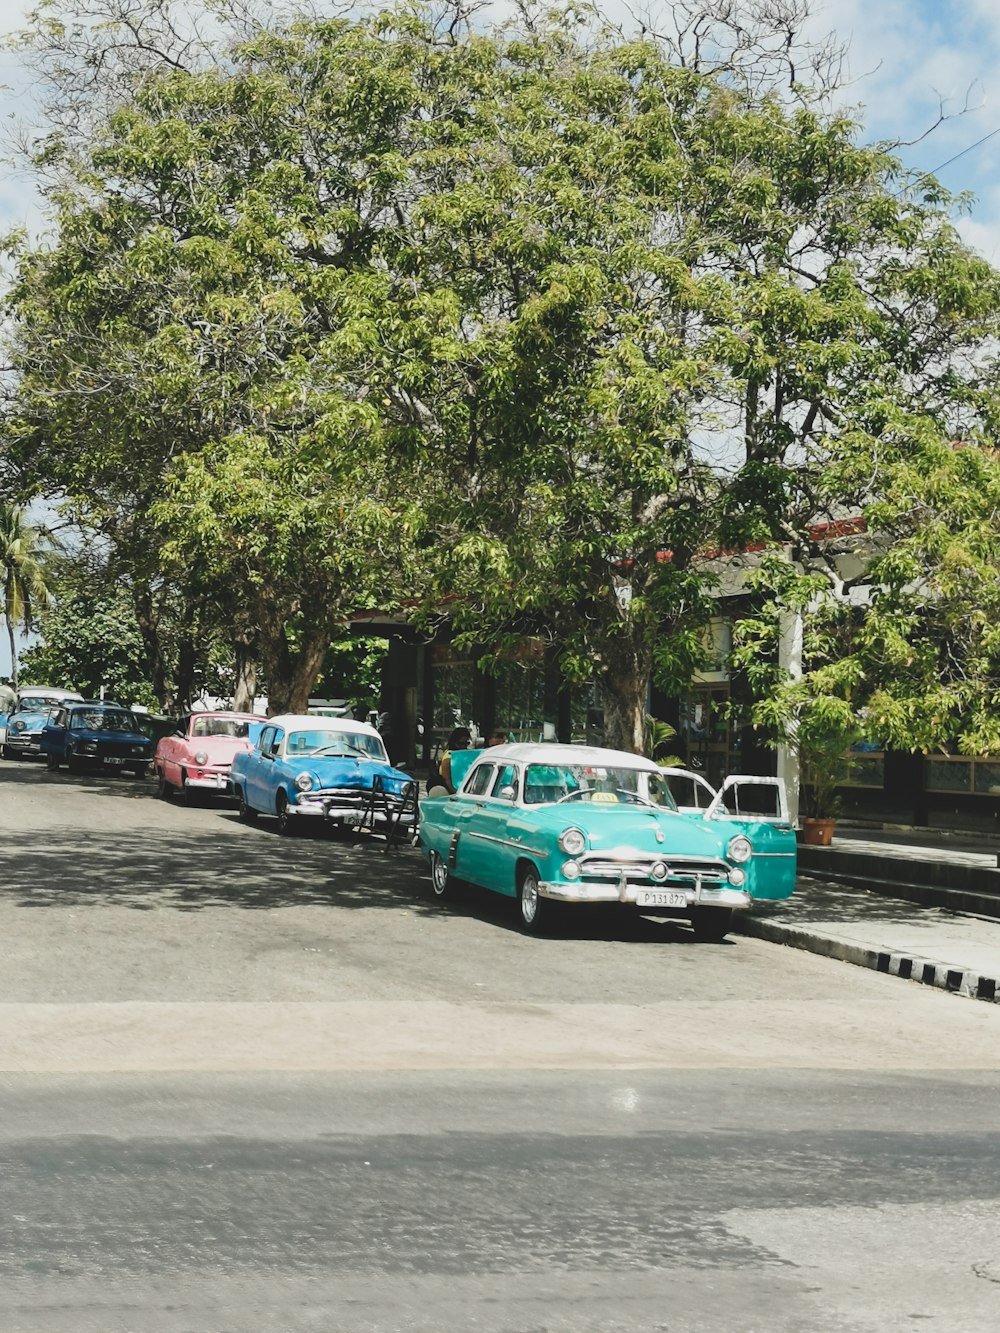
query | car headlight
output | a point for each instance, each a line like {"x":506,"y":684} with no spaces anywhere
{"x":201,"y":758}
{"x":87,"y":747}
{"x":740,"y":849}
{"x":138,"y":750}
{"x":304,"y":782}
{"x":18,"y":726}
{"x":572,"y":841}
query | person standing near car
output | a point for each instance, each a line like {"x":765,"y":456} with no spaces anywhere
{"x":460,"y":739}
{"x":7,"y":697}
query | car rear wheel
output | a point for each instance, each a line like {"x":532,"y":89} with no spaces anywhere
{"x":711,"y":924}
{"x":247,"y":813}
{"x":442,"y":883}
{"x":536,"y":912}
{"x":286,"y":822}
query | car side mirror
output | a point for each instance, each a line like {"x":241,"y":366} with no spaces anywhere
{"x":508,"y":793}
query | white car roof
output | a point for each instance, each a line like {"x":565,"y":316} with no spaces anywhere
{"x":52,"y":691}
{"x":310,"y":722}
{"x":550,"y":753}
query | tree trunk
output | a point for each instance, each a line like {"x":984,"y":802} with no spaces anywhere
{"x":186,"y":657}
{"x":13,"y":650}
{"x":292,"y":675}
{"x":625,"y":672}
{"x":147,"y":620}
{"x":245,"y":689}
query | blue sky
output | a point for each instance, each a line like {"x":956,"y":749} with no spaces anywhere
{"x":906,"y":60}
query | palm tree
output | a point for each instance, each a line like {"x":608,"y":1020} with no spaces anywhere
{"x":23,"y":552}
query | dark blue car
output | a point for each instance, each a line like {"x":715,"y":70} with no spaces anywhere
{"x":98,"y":735}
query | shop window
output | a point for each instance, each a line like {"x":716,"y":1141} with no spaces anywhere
{"x":867,"y":765}
{"x":948,"y":773}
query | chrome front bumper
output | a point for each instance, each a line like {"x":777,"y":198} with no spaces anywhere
{"x":340,"y":814}
{"x":24,"y":744}
{"x":209,"y":782}
{"x":699,"y":895}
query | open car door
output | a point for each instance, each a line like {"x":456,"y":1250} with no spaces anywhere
{"x":758,"y":807}
{"x":693,"y":794}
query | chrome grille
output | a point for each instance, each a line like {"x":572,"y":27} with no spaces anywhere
{"x":681,"y":869}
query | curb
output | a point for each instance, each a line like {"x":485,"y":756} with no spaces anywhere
{"x":909,"y":967}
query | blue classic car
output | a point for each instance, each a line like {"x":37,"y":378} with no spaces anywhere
{"x":552,"y":824}
{"x":35,"y":705}
{"x":102,"y":735}
{"x":323,"y":770}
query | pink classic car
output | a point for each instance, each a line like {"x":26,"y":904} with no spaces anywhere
{"x":196,"y":758}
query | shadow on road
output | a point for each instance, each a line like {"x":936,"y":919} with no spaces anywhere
{"x":215,"y":861}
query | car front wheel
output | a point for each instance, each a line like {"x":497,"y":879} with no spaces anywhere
{"x":286,"y":822}
{"x":711,"y":924}
{"x":72,"y":763}
{"x":536,"y":912}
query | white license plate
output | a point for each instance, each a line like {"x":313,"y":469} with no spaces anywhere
{"x":114,"y":761}
{"x":660,"y":898}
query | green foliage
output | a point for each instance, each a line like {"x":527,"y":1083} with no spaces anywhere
{"x":370,"y":312}
{"x":658,"y":735}
{"x":352,"y":669}
{"x":26,"y":553}
{"x":90,"y":642}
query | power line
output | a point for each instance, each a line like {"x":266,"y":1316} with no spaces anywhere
{"x":964,"y":151}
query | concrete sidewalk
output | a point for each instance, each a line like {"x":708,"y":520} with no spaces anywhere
{"x":921,"y":865}
{"x":954,"y":951}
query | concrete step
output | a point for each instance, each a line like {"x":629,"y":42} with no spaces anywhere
{"x":960,"y":881}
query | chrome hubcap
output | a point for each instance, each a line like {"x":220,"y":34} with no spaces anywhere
{"x":529,"y":898}
{"x":439,"y":874}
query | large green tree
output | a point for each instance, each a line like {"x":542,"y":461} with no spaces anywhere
{"x":515,"y":323}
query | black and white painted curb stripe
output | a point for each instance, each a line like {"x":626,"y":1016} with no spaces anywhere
{"x":909,"y":967}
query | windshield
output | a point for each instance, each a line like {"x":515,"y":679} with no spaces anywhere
{"x":547,"y":784}
{"x":104,"y":719}
{"x":237,"y":728}
{"x":38,"y":703}
{"x":329,"y":742}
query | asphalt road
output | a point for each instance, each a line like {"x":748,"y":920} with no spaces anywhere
{"x":253,"y":1084}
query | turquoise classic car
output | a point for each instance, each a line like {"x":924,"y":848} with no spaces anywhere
{"x":556,"y":824}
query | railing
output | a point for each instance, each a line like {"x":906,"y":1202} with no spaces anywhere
{"x":386,"y":811}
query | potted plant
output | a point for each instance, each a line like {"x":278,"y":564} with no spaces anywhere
{"x":825,"y":729}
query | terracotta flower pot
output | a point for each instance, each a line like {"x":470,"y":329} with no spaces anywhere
{"x":818,"y":832}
